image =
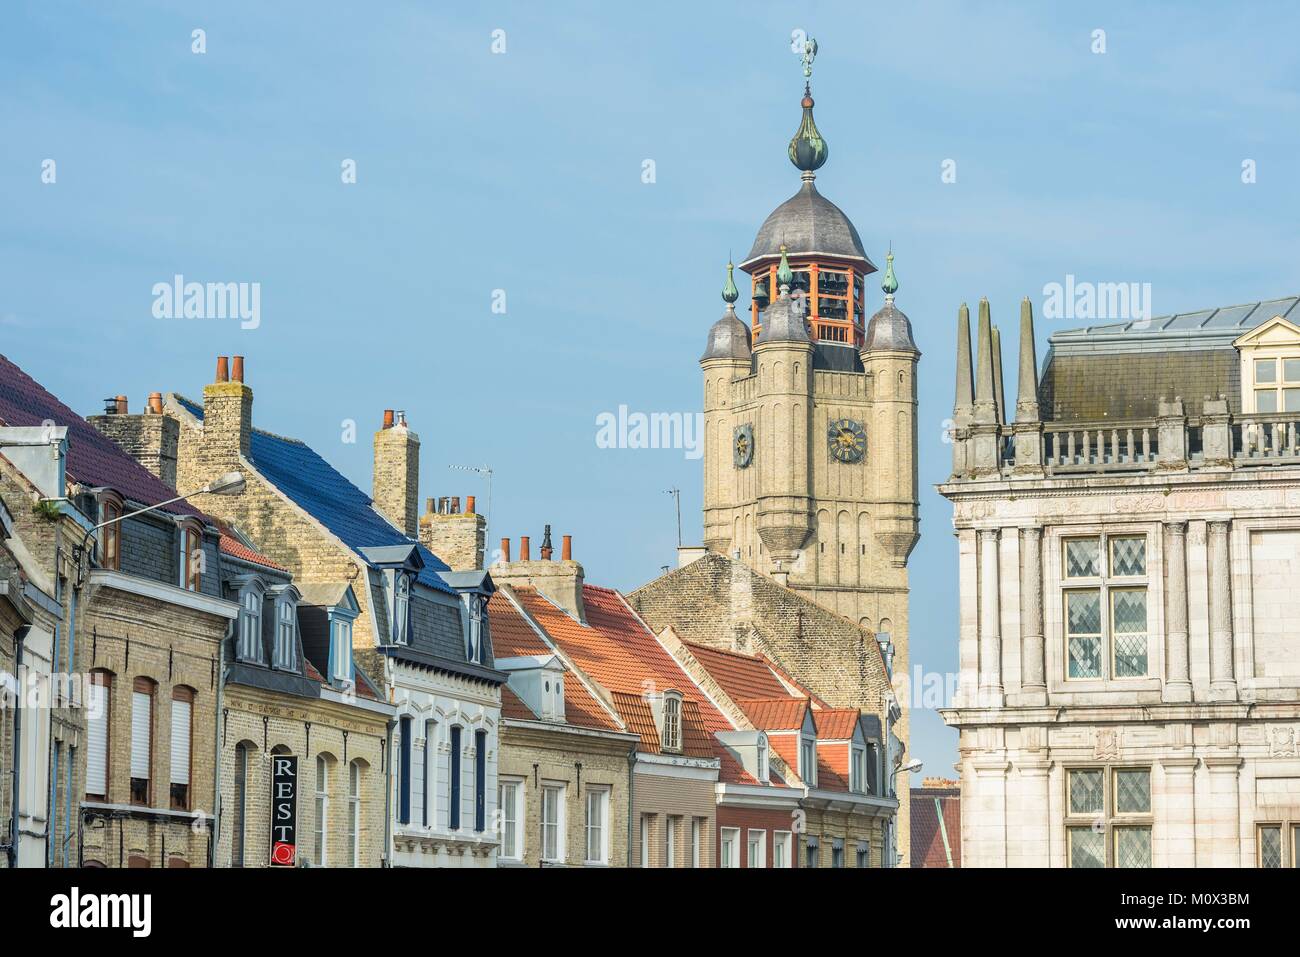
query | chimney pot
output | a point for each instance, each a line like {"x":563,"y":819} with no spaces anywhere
{"x":523,"y":548}
{"x":566,"y":548}
{"x":110,"y":405}
{"x":546,"y":545}
{"x":388,"y":418}
{"x":155,"y":403}
{"x":121,"y":405}
{"x":223,"y":369}
{"x":428,"y":506}
{"x":401,"y":418}
{"x":469,"y":505}
{"x":455,"y":505}
{"x":505,"y":549}
{"x":237,"y":369}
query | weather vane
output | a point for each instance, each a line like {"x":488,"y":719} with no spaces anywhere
{"x":809,"y":54}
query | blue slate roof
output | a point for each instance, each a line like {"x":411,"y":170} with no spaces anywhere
{"x":321,"y":490}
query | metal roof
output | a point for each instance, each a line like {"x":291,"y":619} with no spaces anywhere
{"x":321,"y":490}
{"x":808,"y":224}
{"x":1204,"y":329}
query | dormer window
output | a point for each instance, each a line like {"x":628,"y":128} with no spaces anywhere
{"x":1277,"y":385}
{"x":474,"y":628}
{"x":340,"y":649}
{"x":286,"y":633}
{"x":808,"y":761}
{"x":401,"y":608}
{"x":552,"y":696}
{"x":250,"y":624}
{"x":858,"y":770}
{"x":110,"y":540}
{"x":191,"y":556}
{"x":671,"y":732}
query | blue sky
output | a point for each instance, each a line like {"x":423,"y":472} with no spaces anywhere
{"x":522,"y":172}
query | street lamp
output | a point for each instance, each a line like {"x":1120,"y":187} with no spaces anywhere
{"x":232,"y":483}
{"x":913,"y":765}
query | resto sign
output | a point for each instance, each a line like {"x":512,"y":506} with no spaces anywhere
{"x":284,"y":810}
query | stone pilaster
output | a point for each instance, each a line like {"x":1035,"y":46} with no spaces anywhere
{"x":1033,"y":669}
{"x":1220,"y":835}
{"x":990,"y":624}
{"x":1176,"y":810}
{"x":1178,"y":684}
{"x":1223,"y":685}
{"x":1033,"y":815}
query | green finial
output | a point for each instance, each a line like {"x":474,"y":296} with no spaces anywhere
{"x":890,"y":282}
{"x":808,"y":55}
{"x":729,"y":292}
{"x":784,"y":275}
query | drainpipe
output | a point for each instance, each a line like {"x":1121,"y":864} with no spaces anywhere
{"x":388,"y":793}
{"x":20,"y":636}
{"x":215,"y":828}
{"x":631,"y":803}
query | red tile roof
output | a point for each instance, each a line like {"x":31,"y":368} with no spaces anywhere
{"x":237,"y":549}
{"x":512,"y":706}
{"x":835,"y":724}
{"x":618,"y":652}
{"x":774,"y":714}
{"x":94,"y":459}
{"x":514,"y":637}
{"x":927,"y":839}
{"x":740,"y":675}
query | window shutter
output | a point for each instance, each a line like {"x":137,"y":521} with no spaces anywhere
{"x":97,"y":740}
{"x":181,"y":741}
{"x":141,"y":705}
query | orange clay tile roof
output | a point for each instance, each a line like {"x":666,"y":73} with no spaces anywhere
{"x":237,"y":549}
{"x":618,"y":652}
{"x":512,"y":706}
{"x":832,"y":768}
{"x":774,"y":714}
{"x":513,"y":637}
{"x":835,"y":724}
{"x":741,"y":676}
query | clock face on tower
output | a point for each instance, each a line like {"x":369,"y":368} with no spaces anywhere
{"x":742,"y":446}
{"x":846,"y":440}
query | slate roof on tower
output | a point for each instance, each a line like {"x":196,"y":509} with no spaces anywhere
{"x":323,"y":492}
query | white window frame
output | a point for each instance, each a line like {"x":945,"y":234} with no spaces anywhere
{"x":600,"y":795}
{"x":858,"y":769}
{"x":808,"y":760}
{"x":510,"y":800}
{"x":672,"y":721}
{"x":697,"y":841}
{"x":670,"y":840}
{"x":783,"y":848}
{"x":340,"y":648}
{"x":645,"y":840}
{"x":322,"y":811}
{"x":553,"y":797}
{"x":250,"y":624}
{"x":729,"y":847}
{"x":401,"y":608}
{"x":286,"y":634}
{"x":354,"y":813}
{"x":756,"y":838}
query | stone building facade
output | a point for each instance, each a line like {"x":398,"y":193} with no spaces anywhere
{"x":810,"y":470}
{"x":1130,"y":683}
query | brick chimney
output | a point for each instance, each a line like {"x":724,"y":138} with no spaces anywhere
{"x":227,"y":417}
{"x":150,"y":438}
{"x":397,"y":473}
{"x":457,"y":537}
{"x":560,"y":581}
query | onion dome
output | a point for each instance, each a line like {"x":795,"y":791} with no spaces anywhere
{"x":889,"y":329}
{"x":728,"y":337}
{"x":785,"y":319}
{"x":808,"y":150}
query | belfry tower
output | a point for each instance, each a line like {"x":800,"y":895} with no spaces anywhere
{"x":810,"y":413}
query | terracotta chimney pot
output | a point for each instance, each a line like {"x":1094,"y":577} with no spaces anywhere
{"x":155,"y":403}
{"x":469,"y":505}
{"x":237,"y":369}
{"x":505,"y":549}
{"x":388,"y":418}
{"x":121,"y":405}
{"x":523,"y":548}
{"x":223,"y":369}
{"x":566,"y":548}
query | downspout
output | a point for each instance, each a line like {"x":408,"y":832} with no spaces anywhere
{"x":20,"y":636}
{"x":214,"y":833}
{"x":631,"y":798}
{"x":388,"y":793}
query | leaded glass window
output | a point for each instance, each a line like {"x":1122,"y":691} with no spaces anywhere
{"x":1108,"y":817}
{"x":1270,"y":846}
{"x":1105,"y":624}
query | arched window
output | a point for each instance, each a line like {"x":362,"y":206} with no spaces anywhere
{"x":401,"y":607}
{"x":250,"y":624}
{"x":286,"y":633}
{"x":99,"y":700}
{"x":354,"y":814}
{"x":110,"y":542}
{"x":239,"y":808}
{"x":322,"y":810}
{"x":182,"y":742}
{"x":672,"y":721}
{"x":142,"y":701}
